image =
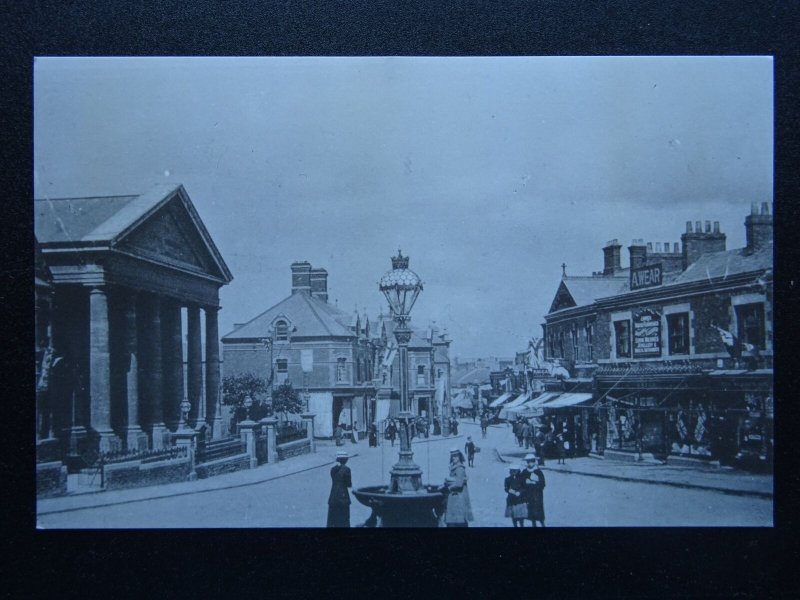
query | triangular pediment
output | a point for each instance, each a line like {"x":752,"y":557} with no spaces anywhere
{"x":563,"y":299}
{"x":170,"y":236}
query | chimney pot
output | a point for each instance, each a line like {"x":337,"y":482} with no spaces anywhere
{"x":676,"y":248}
{"x":708,"y":226}
{"x":754,"y":208}
{"x":716,"y":226}
{"x":688,"y":227}
{"x":658,"y":247}
{"x":764,"y":208}
{"x":649,"y":246}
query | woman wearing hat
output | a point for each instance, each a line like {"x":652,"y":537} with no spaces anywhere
{"x":533,"y":480}
{"x":459,"y":510}
{"x":516,"y":507}
{"x":339,"y":499}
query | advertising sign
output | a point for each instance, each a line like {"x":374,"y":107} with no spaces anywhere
{"x":644,"y":277}
{"x":307,"y":360}
{"x":646,"y":333}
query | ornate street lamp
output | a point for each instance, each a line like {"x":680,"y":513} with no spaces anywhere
{"x":405,"y":502}
{"x":401,"y":286}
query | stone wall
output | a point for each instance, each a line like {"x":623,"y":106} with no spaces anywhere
{"x":51,"y":479}
{"x":137,"y":474}
{"x":295,"y":448}
{"x":223,"y":465}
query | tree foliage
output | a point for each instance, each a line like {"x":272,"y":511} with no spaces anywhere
{"x":235,"y":388}
{"x":285,"y":399}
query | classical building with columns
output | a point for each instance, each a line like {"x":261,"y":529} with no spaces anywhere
{"x":127,"y":272}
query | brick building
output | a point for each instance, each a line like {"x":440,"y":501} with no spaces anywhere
{"x":676,"y":349}
{"x":305,"y":327}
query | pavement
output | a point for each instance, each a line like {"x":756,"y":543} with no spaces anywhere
{"x":323,"y":457}
{"x":723,"y":479}
{"x":502,"y":447}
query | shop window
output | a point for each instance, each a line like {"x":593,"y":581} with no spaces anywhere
{"x":341,"y":369}
{"x":281,"y":331}
{"x":750,"y":324}
{"x":622,"y":333}
{"x":678,"y":333}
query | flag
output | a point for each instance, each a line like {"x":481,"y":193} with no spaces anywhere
{"x":729,"y":340}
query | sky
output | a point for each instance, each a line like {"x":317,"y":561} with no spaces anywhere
{"x":489,"y":172}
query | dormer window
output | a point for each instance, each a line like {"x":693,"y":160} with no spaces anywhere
{"x":281,"y":331}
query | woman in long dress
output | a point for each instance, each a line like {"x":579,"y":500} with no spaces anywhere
{"x":459,"y":509}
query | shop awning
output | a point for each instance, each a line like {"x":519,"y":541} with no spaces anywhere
{"x":462,"y":400}
{"x":568,"y":400}
{"x":541,"y":399}
{"x":521,"y":399}
{"x":498,"y":401}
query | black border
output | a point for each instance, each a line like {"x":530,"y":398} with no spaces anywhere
{"x":596,"y":563}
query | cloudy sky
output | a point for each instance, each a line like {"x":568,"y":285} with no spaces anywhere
{"x":488,"y":172}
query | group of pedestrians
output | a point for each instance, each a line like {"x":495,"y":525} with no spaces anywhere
{"x":341,"y":432}
{"x":524,"y":488}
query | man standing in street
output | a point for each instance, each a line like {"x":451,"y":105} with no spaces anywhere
{"x":339,"y":498}
{"x":484,"y":425}
{"x":469,"y":449}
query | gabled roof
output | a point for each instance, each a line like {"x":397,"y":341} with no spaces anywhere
{"x":310,"y":316}
{"x":474,"y":376}
{"x":583,"y":291}
{"x":417,"y":340}
{"x":129,"y":223}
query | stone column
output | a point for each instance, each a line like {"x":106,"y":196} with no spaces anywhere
{"x":248,"y":433}
{"x":194,"y":375}
{"x":213,"y":408}
{"x":156,"y":363}
{"x":174,"y":359}
{"x":136,"y":439}
{"x":100,"y":371}
{"x":309,"y":419}
{"x":272,"y":441}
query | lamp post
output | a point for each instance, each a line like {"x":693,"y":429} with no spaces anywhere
{"x":401,"y":287}
{"x":268,"y":343}
{"x":405,"y":502}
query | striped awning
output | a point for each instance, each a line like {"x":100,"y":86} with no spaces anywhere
{"x":567,"y":400}
{"x":498,"y":401}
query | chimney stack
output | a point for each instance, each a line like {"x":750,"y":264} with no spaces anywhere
{"x":638,"y":252}
{"x":612,"y":257}
{"x":758,"y":227}
{"x":301,"y":277}
{"x":319,"y":284}
{"x":698,"y":242}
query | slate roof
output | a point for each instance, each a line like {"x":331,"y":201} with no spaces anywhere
{"x":311,"y":316}
{"x":474,"y":376}
{"x":585,"y":290}
{"x":81,"y":222}
{"x":731,"y":262}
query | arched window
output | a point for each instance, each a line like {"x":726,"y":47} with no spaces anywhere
{"x":281,"y":331}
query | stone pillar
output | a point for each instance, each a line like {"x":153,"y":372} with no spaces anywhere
{"x":213,"y":408}
{"x":272,"y":441}
{"x":248,"y":433}
{"x":309,"y":419}
{"x":100,"y":371}
{"x":194,"y":375}
{"x":156,"y":364}
{"x":174,"y":359}
{"x":135,"y":438}
{"x":187,"y":438}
